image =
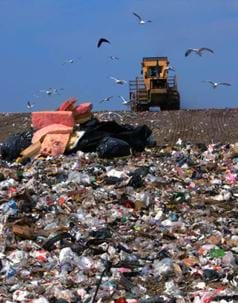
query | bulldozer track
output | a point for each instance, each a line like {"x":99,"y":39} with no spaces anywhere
{"x":195,"y":126}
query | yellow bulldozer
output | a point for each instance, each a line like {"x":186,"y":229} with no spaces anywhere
{"x":155,"y":88}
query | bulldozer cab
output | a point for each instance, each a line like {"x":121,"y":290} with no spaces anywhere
{"x":154,"y":72}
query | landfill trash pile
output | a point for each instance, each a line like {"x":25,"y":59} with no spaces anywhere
{"x":156,"y":226}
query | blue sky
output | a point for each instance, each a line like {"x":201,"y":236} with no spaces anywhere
{"x":37,"y":36}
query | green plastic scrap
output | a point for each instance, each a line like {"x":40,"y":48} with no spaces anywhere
{"x":217,"y":253}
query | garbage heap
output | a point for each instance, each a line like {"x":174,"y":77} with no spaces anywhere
{"x":72,"y":128}
{"x":159,"y":226}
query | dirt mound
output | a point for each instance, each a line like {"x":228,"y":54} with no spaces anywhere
{"x":203,"y":126}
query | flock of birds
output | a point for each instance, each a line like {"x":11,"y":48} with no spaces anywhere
{"x":199,"y":52}
{"x":101,"y":41}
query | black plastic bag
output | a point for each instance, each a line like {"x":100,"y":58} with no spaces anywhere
{"x":113,"y":180}
{"x":14,"y":144}
{"x":136,"y":138}
{"x":96,"y":131}
{"x":112,"y":148}
{"x":150,"y":141}
{"x":49,"y":244}
{"x":136,"y":181}
{"x":90,"y":141}
{"x":102,"y":233}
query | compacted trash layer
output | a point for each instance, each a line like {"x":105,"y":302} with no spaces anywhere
{"x":158,"y":226}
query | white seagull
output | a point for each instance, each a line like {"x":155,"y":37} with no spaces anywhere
{"x":118,"y":81}
{"x":124,"y":101}
{"x":169,"y":67}
{"x":70,"y":61}
{"x":48,"y":92}
{"x":114,"y":58}
{"x":51,"y":91}
{"x":216,"y":84}
{"x":106,"y":99}
{"x":198,"y":51}
{"x":141,"y":21}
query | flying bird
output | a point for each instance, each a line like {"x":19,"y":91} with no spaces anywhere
{"x":118,"y":81}
{"x":216,"y":84}
{"x":114,"y":58}
{"x":106,"y":99}
{"x":124,"y":101}
{"x":141,"y":21}
{"x":51,"y":91}
{"x":102,"y":40}
{"x":70,"y":61}
{"x":169,"y":67}
{"x":30,"y":105}
{"x":198,"y":51}
{"x":56,"y":91}
{"x":48,"y":92}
